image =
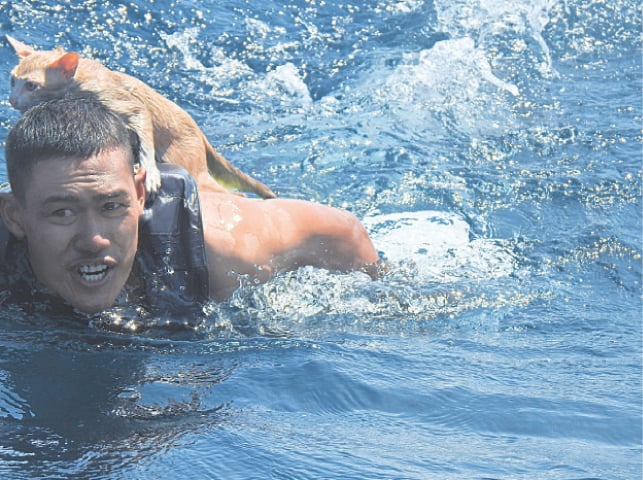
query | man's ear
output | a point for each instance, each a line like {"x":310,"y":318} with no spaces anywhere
{"x":139,"y":182}
{"x":11,"y":212}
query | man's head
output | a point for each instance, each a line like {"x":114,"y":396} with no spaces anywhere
{"x":76,"y":199}
{"x":63,"y":128}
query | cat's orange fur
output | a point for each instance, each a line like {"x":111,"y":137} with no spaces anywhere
{"x":167,"y":132}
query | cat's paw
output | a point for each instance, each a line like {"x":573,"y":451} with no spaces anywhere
{"x":152,"y":181}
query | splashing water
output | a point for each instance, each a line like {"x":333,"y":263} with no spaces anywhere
{"x":493,"y":151}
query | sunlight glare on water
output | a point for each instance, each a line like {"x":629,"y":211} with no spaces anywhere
{"x":493,"y":152}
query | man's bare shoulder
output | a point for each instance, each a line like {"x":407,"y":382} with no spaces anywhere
{"x":258,"y":238}
{"x":282,"y":220}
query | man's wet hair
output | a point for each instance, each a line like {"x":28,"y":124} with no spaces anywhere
{"x":68,"y":127}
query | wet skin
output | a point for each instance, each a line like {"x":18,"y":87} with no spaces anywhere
{"x":80,"y":221}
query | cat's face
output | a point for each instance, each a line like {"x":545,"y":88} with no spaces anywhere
{"x":40,"y":75}
{"x":27,"y":79}
{"x":37,"y":78}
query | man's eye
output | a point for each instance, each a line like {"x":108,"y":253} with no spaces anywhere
{"x":62,"y":213}
{"x":114,"y":207}
{"x":63,"y":216}
{"x":31,"y":86}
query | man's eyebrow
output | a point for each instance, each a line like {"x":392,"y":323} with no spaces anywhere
{"x":71,"y":198}
{"x":112,"y":195}
{"x":68,"y":198}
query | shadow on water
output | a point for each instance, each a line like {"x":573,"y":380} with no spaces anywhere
{"x":75,"y":401}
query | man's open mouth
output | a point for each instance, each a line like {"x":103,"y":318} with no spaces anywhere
{"x":93,"y":273}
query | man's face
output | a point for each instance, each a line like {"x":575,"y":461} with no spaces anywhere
{"x":80,"y":222}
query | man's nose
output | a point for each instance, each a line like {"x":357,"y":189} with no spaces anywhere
{"x":91,"y":236}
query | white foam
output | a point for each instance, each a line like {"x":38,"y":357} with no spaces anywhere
{"x":453,"y":82}
{"x":440,"y":244}
{"x":487,"y":21}
{"x":282,"y":85}
{"x":286,"y":83}
{"x":401,"y":6}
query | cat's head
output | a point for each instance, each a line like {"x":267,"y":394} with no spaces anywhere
{"x":40,"y":75}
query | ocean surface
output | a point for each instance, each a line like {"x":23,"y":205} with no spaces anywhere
{"x":494,"y":151}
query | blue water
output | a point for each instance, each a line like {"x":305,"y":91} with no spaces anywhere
{"x":494,"y":151}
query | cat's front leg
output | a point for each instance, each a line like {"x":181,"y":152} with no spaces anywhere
{"x":141,"y":122}
{"x":138,"y":118}
{"x":147,"y":160}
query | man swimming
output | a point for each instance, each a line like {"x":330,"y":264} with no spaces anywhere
{"x":76,"y":224}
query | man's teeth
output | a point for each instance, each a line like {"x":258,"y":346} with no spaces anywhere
{"x":93,"y":273}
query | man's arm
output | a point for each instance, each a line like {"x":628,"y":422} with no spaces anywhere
{"x":257,"y":239}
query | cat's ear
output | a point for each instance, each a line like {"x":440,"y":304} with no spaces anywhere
{"x":65,"y":65}
{"x":22,"y":50}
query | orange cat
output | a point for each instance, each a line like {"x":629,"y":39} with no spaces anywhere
{"x":167,"y":132}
